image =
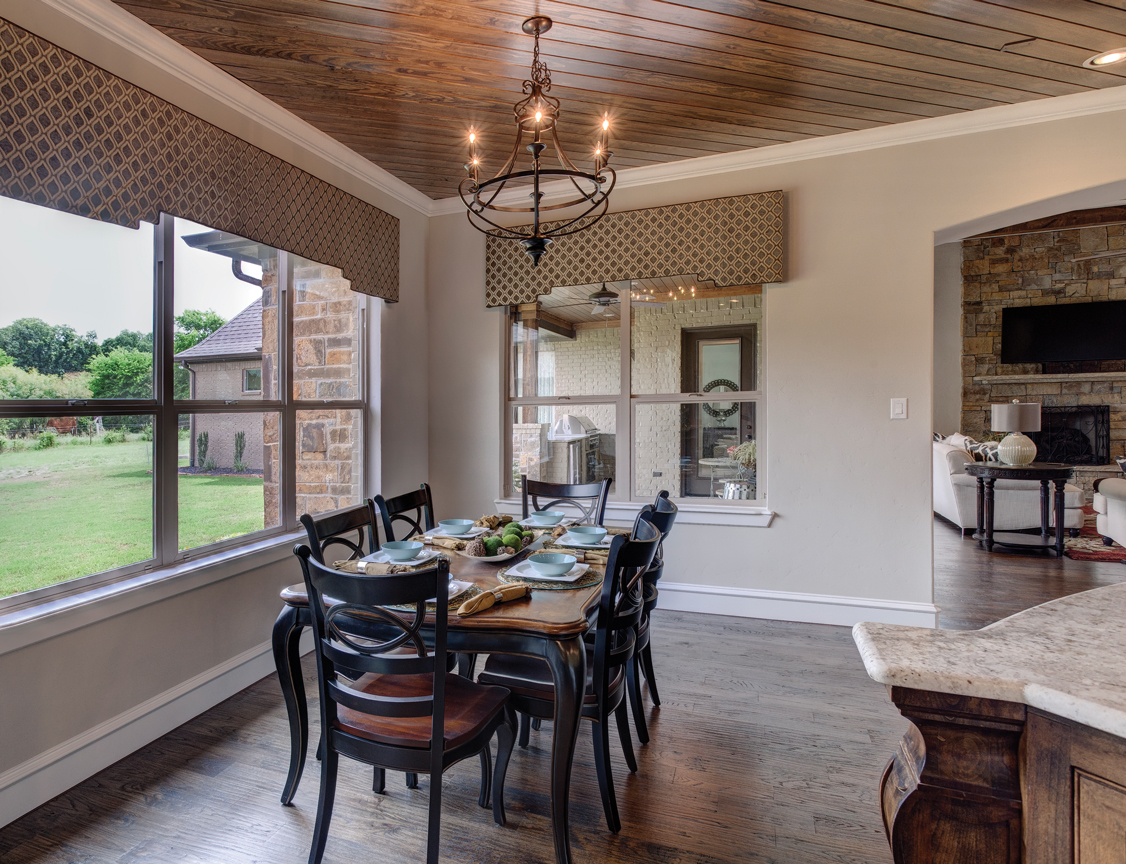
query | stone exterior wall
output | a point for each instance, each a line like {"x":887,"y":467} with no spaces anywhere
{"x":221,"y":430}
{"x":1035,"y":269}
{"x":326,"y":344}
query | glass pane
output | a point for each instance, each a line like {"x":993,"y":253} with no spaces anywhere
{"x":225,"y":465}
{"x":686,"y":341}
{"x":563,"y":443}
{"x":67,"y":333}
{"x":326,"y":334}
{"x":329,"y":459}
{"x":567,"y":346}
{"x":696,"y":450}
{"x":226,"y":315}
{"x":76,"y":498}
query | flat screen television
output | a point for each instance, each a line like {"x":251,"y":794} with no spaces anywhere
{"x":1067,"y":332}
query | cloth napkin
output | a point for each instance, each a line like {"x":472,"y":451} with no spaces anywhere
{"x":443,"y":542}
{"x":371,"y":568}
{"x":487,"y":599}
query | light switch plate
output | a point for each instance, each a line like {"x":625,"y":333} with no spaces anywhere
{"x":899,"y":408}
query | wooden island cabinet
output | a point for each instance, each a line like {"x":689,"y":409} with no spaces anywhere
{"x":1017,"y":746}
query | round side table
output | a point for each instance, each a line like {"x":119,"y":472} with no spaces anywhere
{"x":988,"y":473}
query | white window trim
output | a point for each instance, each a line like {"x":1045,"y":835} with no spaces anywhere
{"x":623,"y":503}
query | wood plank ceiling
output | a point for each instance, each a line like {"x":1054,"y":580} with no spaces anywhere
{"x":402,"y":82}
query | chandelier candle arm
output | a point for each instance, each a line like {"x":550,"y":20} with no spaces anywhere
{"x":537,"y":115}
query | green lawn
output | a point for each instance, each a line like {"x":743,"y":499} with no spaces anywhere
{"x":74,"y":510}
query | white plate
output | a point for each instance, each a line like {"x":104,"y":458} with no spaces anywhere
{"x":568,"y":540}
{"x":422,"y":557}
{"x":455,"y":588}
{"x":525,"y":570}
{"x":468,"y":535}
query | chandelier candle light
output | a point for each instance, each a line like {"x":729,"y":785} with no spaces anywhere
{"x":1016,"y":418}
{"x":537,"y":116}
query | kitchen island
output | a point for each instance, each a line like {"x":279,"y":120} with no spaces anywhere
{"x":1017,"y":749}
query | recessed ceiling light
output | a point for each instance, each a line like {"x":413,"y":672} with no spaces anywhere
{"x":1106,"y":58}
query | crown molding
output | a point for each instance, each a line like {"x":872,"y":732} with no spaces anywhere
{"x":134,"y":36}
{"x":894,"y":135}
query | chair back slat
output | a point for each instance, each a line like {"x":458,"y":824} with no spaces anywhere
{"x":412,"y":513}
{"x":391,"y":645}
{"x":381,"y":706}
{"x":589,"y":499}
{"x":352,"y":530}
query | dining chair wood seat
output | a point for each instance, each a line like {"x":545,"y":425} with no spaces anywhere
{"x":375,"y":704}
{"x":531,"y":676}
{"x":619,"y":612}
{"x":589,"y":499}
{"x":469,"y":706}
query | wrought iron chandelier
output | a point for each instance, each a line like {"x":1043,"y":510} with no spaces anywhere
{"x":537,"y":115}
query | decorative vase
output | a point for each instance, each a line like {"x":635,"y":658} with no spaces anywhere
{"x":1016,"y":448}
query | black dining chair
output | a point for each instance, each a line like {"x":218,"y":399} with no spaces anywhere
{"x":662,"y":514}
{"x":619,"y":612}
{"x":412,"y":511}
{"x":387,"y":699}
{"x":588,"y":498}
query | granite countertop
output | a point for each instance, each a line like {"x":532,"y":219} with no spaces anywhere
{"x":1066,"y":657}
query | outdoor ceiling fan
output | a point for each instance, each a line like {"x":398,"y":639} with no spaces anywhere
{"x":604,"y":298}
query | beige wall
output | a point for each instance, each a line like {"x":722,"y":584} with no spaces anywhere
{"x":851,"y":328}
{"x":947,"y":338}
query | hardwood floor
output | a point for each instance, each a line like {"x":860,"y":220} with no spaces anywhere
{"x":973,"y":588}
{"x":768,"y":748}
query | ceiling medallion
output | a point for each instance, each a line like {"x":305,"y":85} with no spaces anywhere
{"x":537,"y":115}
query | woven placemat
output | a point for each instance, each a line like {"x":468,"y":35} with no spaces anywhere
{"x":455,"y":601}
{"x":591,"y":577}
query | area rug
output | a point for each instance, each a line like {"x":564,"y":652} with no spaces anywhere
{"x":1088,"y":546}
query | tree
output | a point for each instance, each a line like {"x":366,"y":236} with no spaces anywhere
{"x":133,"y":339}
{"x":122,"y":374}
{"x":194,"y":326}
{"x":35,"y":344}
{"x":5,"y":358}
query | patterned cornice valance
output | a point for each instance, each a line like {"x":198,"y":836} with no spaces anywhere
{"x":733,"y":241}
{"x":76,"y":138}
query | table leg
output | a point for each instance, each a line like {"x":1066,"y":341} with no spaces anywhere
{"x":287,"y":660}
{"x":980,"y":506}
{"x":1059,"y":516}
{"x":989,"y":481}
{"x":1044,"y":508}
{"x":567,"y":659}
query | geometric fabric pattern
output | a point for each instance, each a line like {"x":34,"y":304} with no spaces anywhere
{"x":733,"y":241}
{"x":76,"y":138}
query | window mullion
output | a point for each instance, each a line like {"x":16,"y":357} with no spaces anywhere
{"x":287,"y":431}
{"x":166,"y":439}
{"x":623,"y":442}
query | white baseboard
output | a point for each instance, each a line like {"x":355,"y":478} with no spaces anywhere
{"x":41,"y":778}
{"x":790,"y":606}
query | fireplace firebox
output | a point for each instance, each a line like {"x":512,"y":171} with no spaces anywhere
{"x":1074,"y":435}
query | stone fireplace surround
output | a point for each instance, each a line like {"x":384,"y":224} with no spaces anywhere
{"x":1032,"y":264}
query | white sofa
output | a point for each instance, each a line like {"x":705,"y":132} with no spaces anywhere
{"x":1016,"y":503}
{"x":1110,"y":505}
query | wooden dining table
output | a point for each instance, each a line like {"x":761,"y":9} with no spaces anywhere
{"x":548,"y":624}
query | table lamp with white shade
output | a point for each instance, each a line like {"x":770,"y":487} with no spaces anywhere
{"x":1016,"y":418}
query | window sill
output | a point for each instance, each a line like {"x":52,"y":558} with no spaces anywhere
{"x":26,"y":626}
{"x":734,"y":515}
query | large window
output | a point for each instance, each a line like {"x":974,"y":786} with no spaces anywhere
{"x":179,"y":392}
{"x":688,"y":420}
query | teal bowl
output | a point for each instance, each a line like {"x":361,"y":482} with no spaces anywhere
{"x":402,"y":550}
{"x":547,"y":517}
{"x":455,"y":526}
{"x":552,"y":563}
{"x":587,"y":533}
